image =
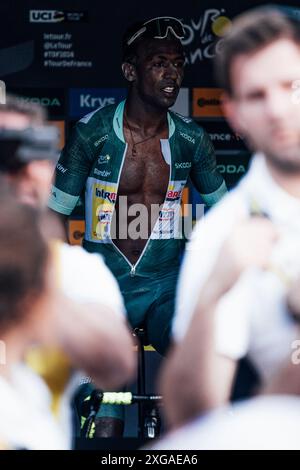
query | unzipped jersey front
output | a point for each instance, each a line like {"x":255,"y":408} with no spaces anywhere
{"x":92,"y":161}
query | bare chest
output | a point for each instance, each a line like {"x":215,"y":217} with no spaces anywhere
{"x":145,"y":171}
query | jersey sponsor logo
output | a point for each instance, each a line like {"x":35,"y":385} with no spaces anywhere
{"x":187,"y":137}
{"x":182,"y":165}
{"x":166,"y":232}
{"x":173,"y":195}
{"x":166,"y":214}
{"x":99,"y":141}
{"x":105,"y":217}
{"x":103,"y":159}
{"x":61,"y":168}
{"x":103,"y":173}
{"x":108,"y":195}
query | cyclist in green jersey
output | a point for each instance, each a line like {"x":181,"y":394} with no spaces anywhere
{"x":141,"y":153}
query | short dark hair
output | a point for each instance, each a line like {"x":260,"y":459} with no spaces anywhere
{"x":129,"y":52}
{"x":250,"y":32}
{"x":23,"y":259}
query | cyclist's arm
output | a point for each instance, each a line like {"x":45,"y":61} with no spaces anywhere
{"x":71,"y":174}
{"x":204,"y":173}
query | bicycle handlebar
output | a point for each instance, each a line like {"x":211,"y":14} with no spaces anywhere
{"x":126,"y":398}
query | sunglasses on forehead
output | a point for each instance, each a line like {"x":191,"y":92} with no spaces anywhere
{"x":159,"y":28}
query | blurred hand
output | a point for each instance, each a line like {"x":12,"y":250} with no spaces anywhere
{"x":250,"y":244}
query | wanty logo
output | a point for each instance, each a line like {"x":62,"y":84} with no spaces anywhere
{"x":203,"y":35}
{"x":104,"y":217}
{"x":166,"y":214}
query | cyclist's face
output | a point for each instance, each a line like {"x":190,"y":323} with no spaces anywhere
{"x":159,"y":71}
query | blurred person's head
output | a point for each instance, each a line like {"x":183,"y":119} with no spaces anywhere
{"x":30,"y":177}
{"x":153,"y":60}
{"x":24,"y":270}
{"x":258,"y":66}
{"x":17,"y":113}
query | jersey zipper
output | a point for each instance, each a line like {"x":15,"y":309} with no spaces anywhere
{"x":134,"y":266}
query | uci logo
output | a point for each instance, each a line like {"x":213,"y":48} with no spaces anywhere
{"x":46,"y":16}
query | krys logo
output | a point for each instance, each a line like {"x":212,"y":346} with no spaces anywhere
{"x":204,"y":33}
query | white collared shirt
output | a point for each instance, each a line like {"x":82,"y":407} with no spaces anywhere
{"x":262,"y":423}
{"x":25,"y":409}
{"x":251,"y":319}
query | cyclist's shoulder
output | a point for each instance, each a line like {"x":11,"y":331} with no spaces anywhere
{"x":101,"y":119}
{"x":186,"y":125}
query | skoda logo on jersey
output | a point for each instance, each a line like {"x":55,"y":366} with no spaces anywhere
{"x":182,"y":165}
{"x":103,"y":159}
{"x":102,"y":139}
{"x":187,"y":137}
